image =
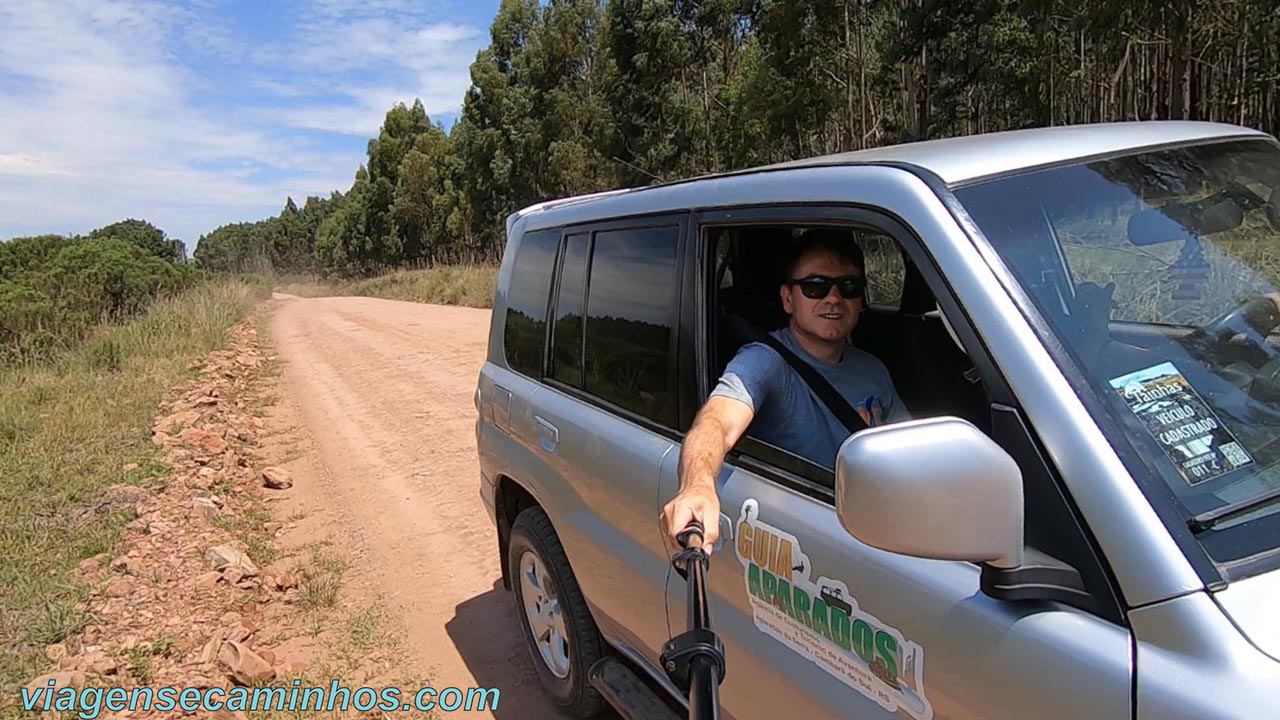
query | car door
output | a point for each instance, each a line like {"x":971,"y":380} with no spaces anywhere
{"x":606,"y":412}
{"x":818,"y":625}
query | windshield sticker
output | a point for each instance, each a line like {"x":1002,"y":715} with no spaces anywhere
{"x":820,"y":619}
{"x":1197,"y":443}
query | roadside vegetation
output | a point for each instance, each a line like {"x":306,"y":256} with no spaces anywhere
{"x":75,"y":436}
{"x":56,"y":290}
{"x":465,"y":285}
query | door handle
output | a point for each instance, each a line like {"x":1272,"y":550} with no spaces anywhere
{"x":726,"y":529}
{"x":548,"y":435}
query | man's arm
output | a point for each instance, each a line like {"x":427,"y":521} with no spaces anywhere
{"x":717,"y":427}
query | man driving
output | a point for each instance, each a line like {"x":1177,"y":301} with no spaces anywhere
{"x":823,"y":294}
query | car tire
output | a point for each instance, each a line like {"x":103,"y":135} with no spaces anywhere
{"x":566,"y":641}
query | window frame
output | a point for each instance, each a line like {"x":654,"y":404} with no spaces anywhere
{"x":676,"y":220}
{"x":799,"y":475}
{"x":553,"y":308}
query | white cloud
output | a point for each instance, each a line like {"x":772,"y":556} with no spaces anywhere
{"x":105,"y":117}
{"x":430,"y":62}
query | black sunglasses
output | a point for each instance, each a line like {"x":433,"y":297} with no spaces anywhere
{"x":816,"y":287}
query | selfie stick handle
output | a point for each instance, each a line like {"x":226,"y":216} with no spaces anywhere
{"x":694,"y":660}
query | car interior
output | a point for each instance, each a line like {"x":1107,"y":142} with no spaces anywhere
{"x":931,"y":372}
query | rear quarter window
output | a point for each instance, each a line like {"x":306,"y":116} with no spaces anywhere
{"x":525,"y":328}
{"x":631,"y":312}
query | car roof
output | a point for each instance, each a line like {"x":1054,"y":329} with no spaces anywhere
{"x":964,"y":159}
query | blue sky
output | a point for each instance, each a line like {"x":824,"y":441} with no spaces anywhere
{"x":196,"y":114}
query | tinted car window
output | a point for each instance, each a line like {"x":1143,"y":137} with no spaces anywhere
{"x":630,"y":314}
{"x":527,"y":296}
{"x":566,"y":335}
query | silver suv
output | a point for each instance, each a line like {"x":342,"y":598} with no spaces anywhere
{"x":1081,"y":519}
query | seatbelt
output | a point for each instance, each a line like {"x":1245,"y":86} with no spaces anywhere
{"x":840,"y":407}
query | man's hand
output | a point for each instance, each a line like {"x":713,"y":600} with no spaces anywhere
{"x":719,"y":424}
{"x":694,"y":503}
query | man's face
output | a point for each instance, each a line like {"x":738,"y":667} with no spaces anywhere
{"x":832,"y":317}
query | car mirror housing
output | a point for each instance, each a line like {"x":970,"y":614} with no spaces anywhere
{"x":934,"y":488}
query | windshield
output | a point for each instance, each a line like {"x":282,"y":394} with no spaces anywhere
{"x":1160,"y":272}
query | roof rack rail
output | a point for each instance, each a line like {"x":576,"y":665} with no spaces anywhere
{"x":560,"y":202}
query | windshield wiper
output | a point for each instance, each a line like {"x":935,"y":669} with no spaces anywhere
{"x":1206,"y":520}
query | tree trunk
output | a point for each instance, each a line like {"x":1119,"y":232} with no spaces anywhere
{"x":847,"y":135}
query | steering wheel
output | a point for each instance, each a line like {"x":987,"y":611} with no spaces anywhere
{"x":1253,"y":318}
{"x":1257,"y":375}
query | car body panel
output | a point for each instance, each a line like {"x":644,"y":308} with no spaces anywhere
{"x":1193,"y":663}
{"x":1252,"y":604}
{"x":955,"y":648}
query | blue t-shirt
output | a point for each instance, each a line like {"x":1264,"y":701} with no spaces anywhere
{"x":789,"y":415}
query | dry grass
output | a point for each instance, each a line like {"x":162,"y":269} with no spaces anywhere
{"x":465,"y":285}
{"x":67,"y":431}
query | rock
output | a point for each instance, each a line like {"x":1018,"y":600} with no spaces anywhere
{"x":127,"y":494}
{"x":205,"y":508}
{"x":65,"y":678}
{"x":56,"y":653}
{"x":276,"y":478}
{"x":286,"y":581}
{"x":233,"y":574}
{"x":130,"y":467}
{"x":225,"y":714}
{"x":237,"y":633}
{"x":209,"y":653}
{"x":119,"y":587}
{"x":179,"y":420}
{"x":89,"y":566}
{"x":209,"y":580}
{"x":224,"y":556}
{"x":207,"y":441}
{"x":98,"y":663}
{"x":272,"y":526}
{"x":245,"y":666}
{"x":125,"y":564}
{"x":202,"y":682}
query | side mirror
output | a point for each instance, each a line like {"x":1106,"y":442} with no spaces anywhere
{"x":933,"y":488}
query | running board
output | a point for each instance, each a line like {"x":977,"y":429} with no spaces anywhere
{"x":626,"y":692}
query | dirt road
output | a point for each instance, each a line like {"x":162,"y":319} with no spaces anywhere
{"x":382,"y":392}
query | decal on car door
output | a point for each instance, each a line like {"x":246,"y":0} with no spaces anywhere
{"x":820,"y":619}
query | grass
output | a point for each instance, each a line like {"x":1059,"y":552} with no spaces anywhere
{"x":67,"y":431}
{"x":362,"y":648}
{"x":465,"y":285}
{"x":319,"y":581}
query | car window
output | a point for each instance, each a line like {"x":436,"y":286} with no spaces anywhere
{"x":631,"y":306}
{"x":527,"y":295}
{"x":566,"y":333}
{"x":931,"y":374}
{"x":1155,"y":271}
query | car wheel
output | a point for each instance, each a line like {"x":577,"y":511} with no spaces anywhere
{"x":558,"y":628}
